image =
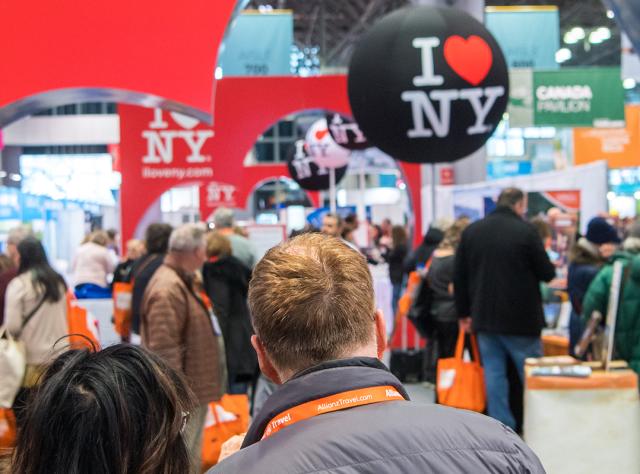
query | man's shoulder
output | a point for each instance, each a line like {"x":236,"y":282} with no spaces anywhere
{"x":164,"y":281}
{"x":388,"y":437}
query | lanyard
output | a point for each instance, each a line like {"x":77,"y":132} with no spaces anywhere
{"x":337,"y":402}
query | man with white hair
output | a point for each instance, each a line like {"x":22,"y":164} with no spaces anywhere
{"x":241,"y":248}
{"x":16,"y":235}
{"x":177,"y":325}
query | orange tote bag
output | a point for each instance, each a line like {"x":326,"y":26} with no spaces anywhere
{"x":122,"y":298}
{"x":225,"y":419}
{"x":7,"y":429}
{"x":461,"y":383}
{"x":83,"y":327}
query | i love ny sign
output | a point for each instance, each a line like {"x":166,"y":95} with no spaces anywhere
{"x":428,"y":84}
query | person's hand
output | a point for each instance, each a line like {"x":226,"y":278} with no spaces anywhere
{"x":231,"y":446}
{"x":465,"y":324}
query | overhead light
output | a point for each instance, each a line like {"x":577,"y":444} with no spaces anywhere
{"x":218,"y":73}
{"x":578,"y":32}
{"x":562,"y":55}
{"x":629,"y":83}
{"x":569,"y":38}
{"x":610,"y":14}
{"x":598,"y":36}
{"x":594,"y":38}
{"x":611,"y":196}
{"x":15,"y":177}
{"x":604,"y":32}
{"x":3,"y":174}
{"x":636,"y":195}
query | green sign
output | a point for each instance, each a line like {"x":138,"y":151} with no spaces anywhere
{"x":570,"y":97}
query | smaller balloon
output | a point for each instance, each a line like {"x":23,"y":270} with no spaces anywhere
{"x":306,"y":172}
{"x":346,"y":133}
{"x":321,"y":147}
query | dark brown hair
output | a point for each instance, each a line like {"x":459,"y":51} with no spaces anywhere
{"x":311,"y":300}
{"x":509,"y":197}
{"x":120,"y":410}
{"x":398,"y":236}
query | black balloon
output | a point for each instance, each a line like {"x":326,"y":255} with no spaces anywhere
{"x":428,"y":84}
{"x":345,"y":132}
{"x":304,"y":170}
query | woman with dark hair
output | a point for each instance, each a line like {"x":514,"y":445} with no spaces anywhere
{"x":226,"y":283}
{"x":395,"y":258}
{"x":121,"y":410}
{"x":36,"y":311}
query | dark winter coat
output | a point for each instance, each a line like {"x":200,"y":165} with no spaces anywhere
{"x":499,"y":266}
{"x":423,"y":252}
{"x":387,"y":437}
{"x":395,"y":258}
{"x":627,"y":332}
{"x":142,"y":271}
{"x":584,"y":265}
{"x":226,"y":282}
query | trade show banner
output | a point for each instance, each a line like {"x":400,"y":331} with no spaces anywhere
{"x":497,"y":169}
{"x":540,"y":202}
{"x":619,"y":146}
{"x":258,"y":44}
{"x":528,"y":35}
{"x":578,"y":97}
{"x":521,"y":98}
{"x":571,"y":97}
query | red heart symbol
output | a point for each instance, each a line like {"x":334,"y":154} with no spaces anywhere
{"x":320,"y":134}
{"x":470,"y":58}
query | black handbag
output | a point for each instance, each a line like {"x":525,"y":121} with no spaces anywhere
{"x":420,"y":310}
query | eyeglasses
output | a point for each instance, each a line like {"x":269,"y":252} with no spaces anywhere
{"x":185,"y":418}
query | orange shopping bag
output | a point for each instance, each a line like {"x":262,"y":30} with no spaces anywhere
{"x":226,"y":418}
{"x":461,"y":383}
{"x":122,"y":297}
{"x":7,"y":428}
{"x":83,"y":327}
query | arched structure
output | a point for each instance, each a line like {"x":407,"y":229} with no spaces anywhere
{"x":244,"y":108}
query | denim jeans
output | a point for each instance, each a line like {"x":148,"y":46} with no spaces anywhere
{"x":494,"y":350}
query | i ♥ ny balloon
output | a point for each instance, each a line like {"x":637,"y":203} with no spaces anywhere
{"x":428,"y":84}
{"x":323,"y":149}
{"x":345,"y":132}
{"x":307,"y":173}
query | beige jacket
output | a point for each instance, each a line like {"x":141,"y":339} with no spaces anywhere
{"x":176,"y":326}
{"x":92,"y":264}
{"x":47,"y":325}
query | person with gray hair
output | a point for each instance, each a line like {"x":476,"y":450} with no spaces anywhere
{"x":15,"y":236}
{"x":241,"y":248}
{"x":179,"y":326}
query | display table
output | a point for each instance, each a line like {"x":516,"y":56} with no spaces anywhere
{"x":584,"y":426}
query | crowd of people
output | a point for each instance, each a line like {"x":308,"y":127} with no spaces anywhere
{"x":300,"y":331}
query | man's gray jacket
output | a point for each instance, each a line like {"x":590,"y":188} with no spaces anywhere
{"x":387,"y":437}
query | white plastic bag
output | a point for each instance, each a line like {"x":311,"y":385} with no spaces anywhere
{"x":13,"y":364}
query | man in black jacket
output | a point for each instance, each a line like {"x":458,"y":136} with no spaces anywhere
{"x":499,"y":266}
{"x":338,"y":409}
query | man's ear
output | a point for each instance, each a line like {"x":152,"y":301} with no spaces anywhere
{"x":381,"y":334}
{"x":266,"y":366}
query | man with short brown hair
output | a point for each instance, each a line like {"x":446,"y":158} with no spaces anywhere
{"x":338,"y":409}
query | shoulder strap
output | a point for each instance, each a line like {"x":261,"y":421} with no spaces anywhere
{"x":31,"y":314}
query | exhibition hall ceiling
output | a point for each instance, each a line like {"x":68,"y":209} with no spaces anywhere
{"x":337,"y":24}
